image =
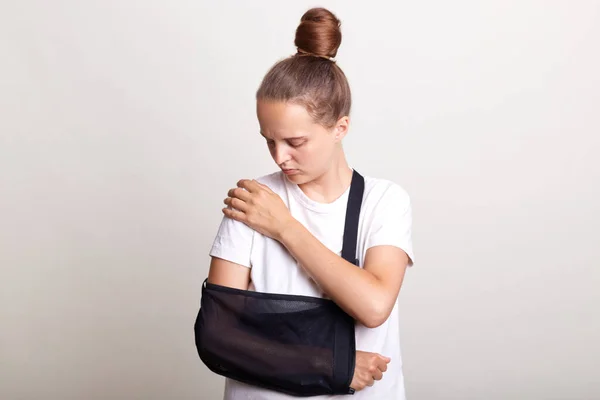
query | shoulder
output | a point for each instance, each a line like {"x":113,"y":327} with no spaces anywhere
{"x":383,"y":193}
{"x":275,"y":181}
{"x":387,"y":216}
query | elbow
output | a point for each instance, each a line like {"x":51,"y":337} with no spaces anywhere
{"x":375,"y":316}
{"x":374,"y":321}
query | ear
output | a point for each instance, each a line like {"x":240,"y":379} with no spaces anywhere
{"x":341,"y":128}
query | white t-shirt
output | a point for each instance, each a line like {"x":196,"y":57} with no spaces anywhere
{"x":385,"y":219}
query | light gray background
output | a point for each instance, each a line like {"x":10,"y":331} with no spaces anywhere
{"x":123,"y":123}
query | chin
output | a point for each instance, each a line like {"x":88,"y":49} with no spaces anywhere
{"x":297,"y":178}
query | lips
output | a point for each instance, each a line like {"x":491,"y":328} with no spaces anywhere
{"x":290,"y":171}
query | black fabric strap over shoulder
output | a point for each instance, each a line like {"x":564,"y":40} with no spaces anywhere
{"x":355,"y":198}
{"x":299,"y":345}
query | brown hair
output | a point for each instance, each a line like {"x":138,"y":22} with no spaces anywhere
{"x":310,"y":77}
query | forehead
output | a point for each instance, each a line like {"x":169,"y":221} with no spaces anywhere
{"x":278,"y":117}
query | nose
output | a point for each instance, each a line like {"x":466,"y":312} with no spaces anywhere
{"x":280,"y":154}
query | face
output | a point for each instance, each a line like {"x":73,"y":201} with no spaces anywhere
{"x":303,"y":149}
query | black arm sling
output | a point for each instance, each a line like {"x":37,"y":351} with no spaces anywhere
{"x":298,"y":345}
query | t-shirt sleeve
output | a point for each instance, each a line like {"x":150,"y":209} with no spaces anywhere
{"x":392,"y":222}
{"x":233,"y":242}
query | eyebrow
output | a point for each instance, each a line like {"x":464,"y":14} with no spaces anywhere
{"x":288,"y":138}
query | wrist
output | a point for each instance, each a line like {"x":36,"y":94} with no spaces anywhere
{"x":288,"y":230}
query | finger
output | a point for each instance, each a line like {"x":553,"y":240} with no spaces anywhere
{"x":240,"y":194}
{"x":234,"y":214}
{"x":236,"y":204}
{"x":384,"y":358}
{"x":381,"y":364}
{"x":377,"y":375}
{"x":268,"y":189}
{"x":249,"y":184}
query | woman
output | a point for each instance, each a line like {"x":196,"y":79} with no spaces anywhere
{"x":282,"y":233}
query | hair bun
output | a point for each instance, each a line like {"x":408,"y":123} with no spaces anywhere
{"x":319,"y":33}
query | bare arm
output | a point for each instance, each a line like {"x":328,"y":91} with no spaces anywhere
{"x":369,"y":293}
{"x":227,"y":273}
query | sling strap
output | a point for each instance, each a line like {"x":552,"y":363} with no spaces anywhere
{"x":355,"y":197}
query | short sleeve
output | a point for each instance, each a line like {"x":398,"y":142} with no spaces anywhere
{"x":392,"y":222}
{"x":233,"y":242}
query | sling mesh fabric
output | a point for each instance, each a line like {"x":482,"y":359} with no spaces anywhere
{"x":298,"y":345}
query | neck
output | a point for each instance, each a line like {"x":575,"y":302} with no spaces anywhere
{"x":330,"y":185}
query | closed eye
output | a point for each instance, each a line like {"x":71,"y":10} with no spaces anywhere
{"x":296,"y":144}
